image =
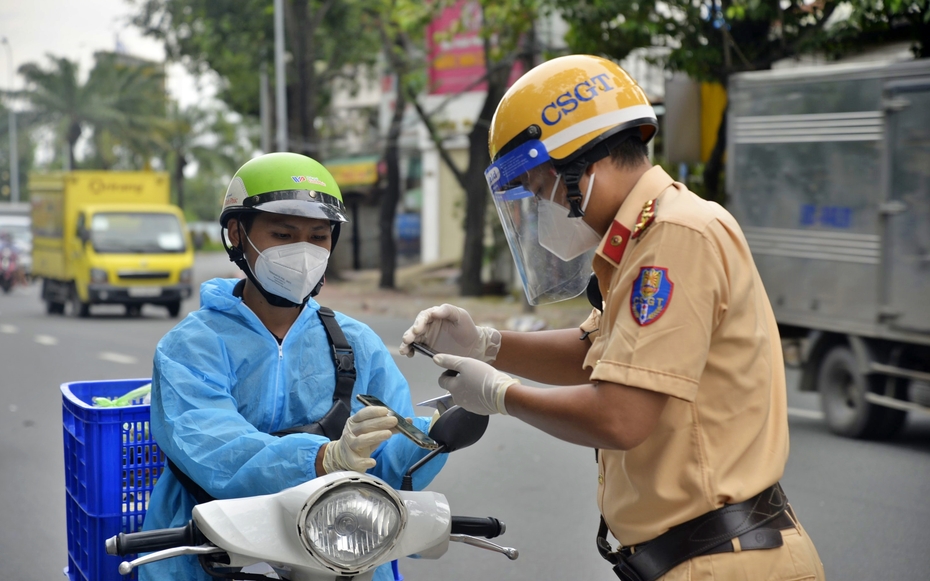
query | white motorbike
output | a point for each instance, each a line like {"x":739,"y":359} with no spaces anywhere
{"x":341,"y":525}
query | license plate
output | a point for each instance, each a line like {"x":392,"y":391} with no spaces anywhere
{"x":144,"y":291}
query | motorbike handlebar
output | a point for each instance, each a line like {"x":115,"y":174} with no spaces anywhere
{"x":474,"y":526}
{"x":157,"y":540}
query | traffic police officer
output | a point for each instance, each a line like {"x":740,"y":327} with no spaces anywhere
{"x":678,"y":379}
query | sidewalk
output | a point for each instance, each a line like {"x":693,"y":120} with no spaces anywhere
{"x":422,"y":286}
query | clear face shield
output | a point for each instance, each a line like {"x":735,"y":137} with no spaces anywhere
{"x":552,"y":252}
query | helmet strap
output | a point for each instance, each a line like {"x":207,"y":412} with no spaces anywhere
{"x":576,"y":168}
{"x":572,"y":176}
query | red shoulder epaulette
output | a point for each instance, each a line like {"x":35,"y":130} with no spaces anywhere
{"x":617,"y":237}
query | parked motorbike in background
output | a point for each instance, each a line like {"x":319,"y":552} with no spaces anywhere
{"x":340,"y":525}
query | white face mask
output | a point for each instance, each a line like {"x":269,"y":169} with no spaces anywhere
{"x":565,"y":237}
{"x":290,"y":270}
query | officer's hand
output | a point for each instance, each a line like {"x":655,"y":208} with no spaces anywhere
{"x":450,"y":329}
{"x":362,"y":435}
{"x":478,"y":387}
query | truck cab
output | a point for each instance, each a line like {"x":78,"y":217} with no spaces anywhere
{"x":131,"y":256}
{"x":109,"y":237}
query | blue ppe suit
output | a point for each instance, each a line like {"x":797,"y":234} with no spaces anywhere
{"x":222,"y":384}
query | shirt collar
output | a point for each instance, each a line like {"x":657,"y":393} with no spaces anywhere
{"x":613,"y":244}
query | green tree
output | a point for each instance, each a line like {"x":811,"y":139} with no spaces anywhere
{"x":872,"y":22}
{"x":327,"y":40}
{"x":711,"y":40}
{"x":132,"y":102}
{"x":209,"y":138}
{"x":394,"y":48}
{"x":507,"y":34}
{"x":706,"y":40}
{"x":121,"y":103}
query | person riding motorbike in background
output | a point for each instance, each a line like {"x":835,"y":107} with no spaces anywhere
{"x":677,"y":379}
{"x":247,"y":397}
{"x":10,"y":272}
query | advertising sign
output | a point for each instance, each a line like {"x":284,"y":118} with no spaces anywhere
{"x":456,"y":50}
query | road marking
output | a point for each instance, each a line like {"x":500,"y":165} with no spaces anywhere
{"x":809,"y":414}
{"x":46,"y":340}
{"x":117,"y":358}
{"x":9,"y":329}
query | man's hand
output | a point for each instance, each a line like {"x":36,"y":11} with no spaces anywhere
{"x":362,"y":435}
{"x":478,"y":387}
{"x":450,"y":329}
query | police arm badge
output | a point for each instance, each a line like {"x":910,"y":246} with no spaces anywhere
{"x":652,"y":293}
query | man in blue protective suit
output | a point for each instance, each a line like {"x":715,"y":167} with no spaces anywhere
{"x":246,"y":390}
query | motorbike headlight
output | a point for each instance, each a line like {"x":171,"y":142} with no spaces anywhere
{"x":351,"y":526}
{"x":98,"y":275}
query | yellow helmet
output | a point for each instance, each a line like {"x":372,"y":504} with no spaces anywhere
{"x":570,"y":103}
{"x":555,"y":121}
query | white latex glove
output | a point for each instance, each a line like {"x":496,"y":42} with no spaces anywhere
{"x":478,"y":387}
{"x":450,"y":329}
{"x":362,"y":435}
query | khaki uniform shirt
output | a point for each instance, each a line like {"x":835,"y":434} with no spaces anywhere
{"x":685,"y":314}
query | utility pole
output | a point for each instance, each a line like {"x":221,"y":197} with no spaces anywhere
{"x":280,"y":77}
{"x":264,"y":107}
{"x":14,"y":149}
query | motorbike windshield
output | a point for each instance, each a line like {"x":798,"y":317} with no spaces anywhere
{"x":126,"y":232}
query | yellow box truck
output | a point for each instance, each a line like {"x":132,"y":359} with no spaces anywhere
{"x":109,"y":237}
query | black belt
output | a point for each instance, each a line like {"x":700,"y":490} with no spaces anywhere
{"x":755,"y":522}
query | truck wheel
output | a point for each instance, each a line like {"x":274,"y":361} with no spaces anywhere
{"x":53,"y":308}
{"x":78,"y":307}
{"x":842,"y":396}
{"x":174,"y":309}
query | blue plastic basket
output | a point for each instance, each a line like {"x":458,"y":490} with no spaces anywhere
{"x":111,"y":465}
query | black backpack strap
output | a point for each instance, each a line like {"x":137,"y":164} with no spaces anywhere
{"x":344,"y":358}
{"x":330,"y":425}
{"x":194,"y":489}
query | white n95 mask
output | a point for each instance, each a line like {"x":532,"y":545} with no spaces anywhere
{"x":565,"y":237}
{"x":290,"y":270}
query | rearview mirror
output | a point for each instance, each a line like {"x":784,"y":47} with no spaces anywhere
{"x":458,"y":428}
{"x":455,"y":429}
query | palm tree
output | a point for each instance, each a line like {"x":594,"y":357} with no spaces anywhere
{"x":130,"y":110}
{"x":201,"y":136}
{"x":57,"y":96}
{"x":121,"y":103}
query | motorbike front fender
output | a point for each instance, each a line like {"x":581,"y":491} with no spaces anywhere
{"x":265,"y":528}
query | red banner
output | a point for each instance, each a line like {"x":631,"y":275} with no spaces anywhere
{"x":457,"y":60}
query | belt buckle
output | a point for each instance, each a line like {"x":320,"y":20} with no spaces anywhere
{"x":625,"y":572}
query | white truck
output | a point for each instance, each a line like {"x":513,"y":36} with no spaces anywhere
{"x":828,"y":172}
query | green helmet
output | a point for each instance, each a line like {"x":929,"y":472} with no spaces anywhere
{"x":284,"y":183}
